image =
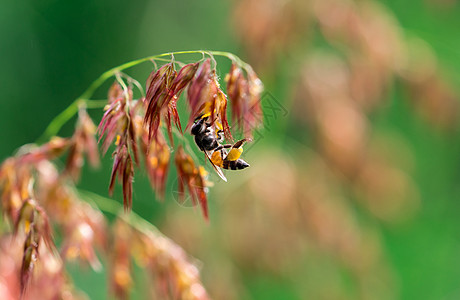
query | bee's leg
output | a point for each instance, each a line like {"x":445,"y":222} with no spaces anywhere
{"x":220,"y":135}
{"x":223,"y":146}
{"x":217,"y":158}
{"x":239,"y":143}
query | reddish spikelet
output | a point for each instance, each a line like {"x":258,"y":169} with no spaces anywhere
{"x":128,"y":172}
{"x":43,"y":227}
{"x":32,"y":216}
{"x":168,"y":120}
{"x":15,"y":182}
{"x":115,"y":92}
{"x":157,"y":98}
{"x":132,"y":135}
{"x":74,"y":160}
{"x":110,"y":123}
{"x":193,"y":178}
{"x":206,"y":97}
{"x":36,"y":227}
{"x":256,"y":88}
{"x":29,"y":259}
{"x":220,"y":104}
{"x":26,"y":216}
{"x":196,"y":90}
{"x":238,"y":90}
{"x":157,"y":156}
{"x":185,"y":171}
{"x":118,"y":121}
{"x":200,"y":185}
{"x":83,"y":142}
{"x":51,"y":150}
{"x":216,"y":106}
{"x":245,"y":99}
{"x":87,"y":130}
{"x":123,"y":168}
{"x":164,"y":88}
{"x":117,"y":163}
{"x":185,"y":76}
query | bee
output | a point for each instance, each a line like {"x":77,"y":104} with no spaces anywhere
{"x":206,"y":137}
{"x":209,"y":141}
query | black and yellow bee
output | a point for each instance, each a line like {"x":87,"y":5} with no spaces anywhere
{"x":208,"y":140}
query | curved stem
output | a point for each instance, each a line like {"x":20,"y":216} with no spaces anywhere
{"x":56,"y":124}
{"x":124,"y":87}
{"x":135,"y":82}
{"x":95,"y":103}
{"x":232,"y":57}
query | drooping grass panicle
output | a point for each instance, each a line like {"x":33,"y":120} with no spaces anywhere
{"x":175,"y":276}
{"x":244,"y":93}
{"x":36,"y":196}
{"x":157,"y":157}
{"x":196,"y":90}
{"x":118,"y":122}
{"x":204,"y":96}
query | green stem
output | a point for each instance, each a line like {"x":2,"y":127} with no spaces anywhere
{"x":135,"y":82}
{"x":96,"y":103}
{"x":56,"y":124}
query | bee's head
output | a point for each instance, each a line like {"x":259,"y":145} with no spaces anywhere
{"x":199,"y":126}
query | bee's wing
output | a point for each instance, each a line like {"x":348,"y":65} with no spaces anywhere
{"x":218,"y":170}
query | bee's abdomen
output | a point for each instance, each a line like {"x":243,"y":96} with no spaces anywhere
{"x":238,"y":164}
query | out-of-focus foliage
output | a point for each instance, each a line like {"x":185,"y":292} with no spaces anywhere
{"x":352,"y":190}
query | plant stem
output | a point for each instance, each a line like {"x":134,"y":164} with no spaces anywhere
{"x":56,"y":124}
{"x":96,"y":103}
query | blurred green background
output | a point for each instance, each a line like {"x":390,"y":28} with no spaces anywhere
{"x":50,"y":51}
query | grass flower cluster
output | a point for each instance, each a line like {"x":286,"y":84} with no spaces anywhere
{"x":38,"y":198}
